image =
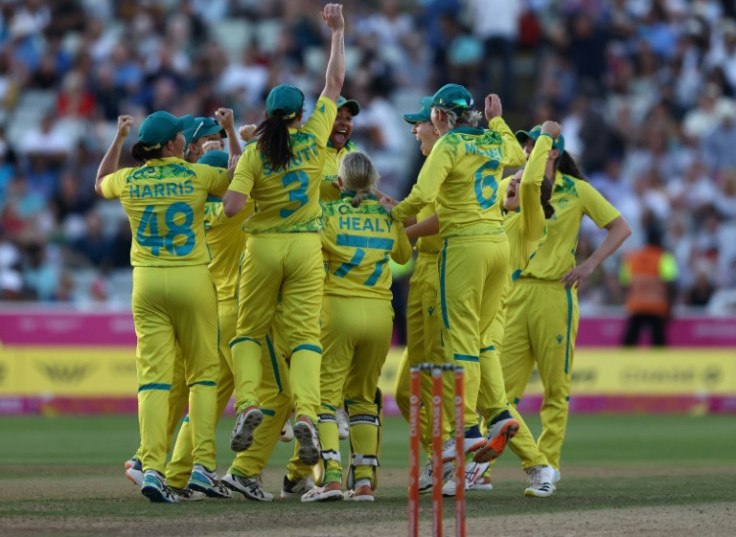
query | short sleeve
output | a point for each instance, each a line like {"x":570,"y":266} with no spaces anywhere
{"x":245,"y":171}
{"x":596,"y":206}
{"x":112,"y":184}
{"x":322,"y":119}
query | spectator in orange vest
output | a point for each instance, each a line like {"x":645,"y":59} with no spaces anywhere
{"x":649,"y":274}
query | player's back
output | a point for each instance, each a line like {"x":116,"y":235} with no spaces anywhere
{"x":356,"y":245}
{"x":467,"y":199}
{"x":164,"y":200}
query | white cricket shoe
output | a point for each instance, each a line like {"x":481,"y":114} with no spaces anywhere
{"x":242,"y":436}
{"x":250,"y":487}
{"x":207,"y":481}
{"x":540,"y":481}
{"x":306,"y":434}
{"x":296,"y":489}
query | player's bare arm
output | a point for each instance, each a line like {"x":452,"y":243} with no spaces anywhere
{"x":233,"y":202}
{"x":110,"y":162}
{"x":618,"y":231}
{"x":226,"y":118}
{"x":335,"y":74}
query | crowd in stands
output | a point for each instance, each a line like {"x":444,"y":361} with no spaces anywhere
{"x":644,"y":90}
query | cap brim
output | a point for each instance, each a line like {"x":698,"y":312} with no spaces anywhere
{"x":353,"y":106}
{"x":415,"y":118}
{"x":523,"y":136}
{"x":209,"y":131}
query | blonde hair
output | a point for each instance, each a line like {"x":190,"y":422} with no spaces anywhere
{"x":468,"y":118}
{"x":358,"y":175}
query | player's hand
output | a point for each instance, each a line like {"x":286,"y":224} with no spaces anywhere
{"x":124,"y":124}
{"x":247,"y":132}
{"x":552,"y":128}
{"x":224,"y":117}
{"x":387,"y":203}
{"x":493,"y":106}
{"x":212,"y":145}
{"x":332,"y":15}
{"x":578,"y":274}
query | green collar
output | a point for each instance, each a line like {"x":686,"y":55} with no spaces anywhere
{"x":467,"y":130}
{"x":350,"y":194}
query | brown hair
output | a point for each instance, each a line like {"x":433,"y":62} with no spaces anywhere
{"x":274,"y":141}
{"x":141,"y":152}
{"x":545,"y":193}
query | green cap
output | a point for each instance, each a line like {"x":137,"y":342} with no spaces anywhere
{"x":352,"y":105}
{"x":450,"y":97}
{"x":160,"y":127}
{"x":203,"y":126}
{"x":425,"y":114}
{"x":535,"y":133}
{"x":215,"y":158}
{"x":286,"y":98}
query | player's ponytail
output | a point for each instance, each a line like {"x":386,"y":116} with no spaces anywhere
{"x":545,"y":193}
{"x":274,"y":141}
{"x":141,"y":152}
{"x":566,"y":165}
{"x":359,"y":176}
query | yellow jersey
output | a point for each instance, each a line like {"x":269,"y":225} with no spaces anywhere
{"x":429,"y":244}
{"x":526,"y":227}
{"x":327,"y":191}
{"x":164,"y":200}
{"x":287,"y":200}
{"x":572,"y":198}
{"x":356,"y":245}
{"x":462,"y":174}
{"x":226,"y":242}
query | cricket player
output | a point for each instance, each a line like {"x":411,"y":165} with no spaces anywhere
{"x":544,"y":335}
{"x":357,"y":325}
{"x":173,"y":299}
{"x":281,"y":172}
{"x":473,"y":263}
{"x":338,"y":146}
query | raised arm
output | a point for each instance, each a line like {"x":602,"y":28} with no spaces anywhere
{"x":225,"y":118}
{"x":532,"y":213}
{"x":335,"y":75}
{"x":110,"y":162}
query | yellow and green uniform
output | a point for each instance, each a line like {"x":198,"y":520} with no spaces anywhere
{"x":327,"y":190}
{"x":545,"y":334}
{"x":527,"y":230}
{"x":357,"y":324}
{"x":283,"y":257}
{"x":173,"y":299}
{"x":422,"y":336}
{"x":461,"y":175}
{"x":225,"y":240}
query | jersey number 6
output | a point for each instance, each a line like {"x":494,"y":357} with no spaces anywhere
{"x":484,"y":180}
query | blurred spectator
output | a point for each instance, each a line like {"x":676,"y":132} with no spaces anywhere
{"x":649,"y":276}
{"x":496,"y":24}
{"x":700,"y":293}
{"x":93,"y":248}
{"x":42,"y":275}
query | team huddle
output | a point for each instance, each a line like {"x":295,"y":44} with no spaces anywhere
{"x":264,"y":271}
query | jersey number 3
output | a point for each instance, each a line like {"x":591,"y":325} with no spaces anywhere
{"x":154,"y":241}
{"x":298,"y":194}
